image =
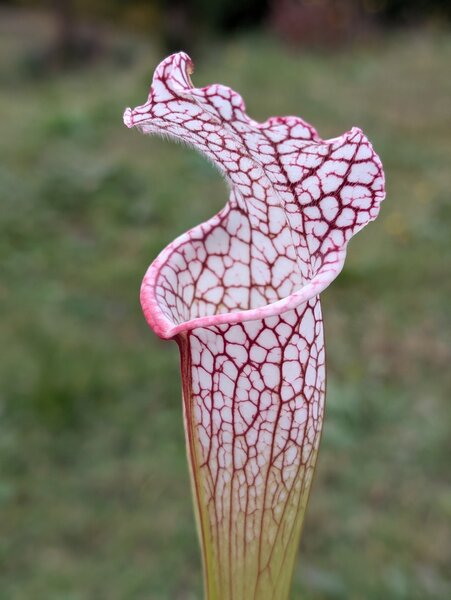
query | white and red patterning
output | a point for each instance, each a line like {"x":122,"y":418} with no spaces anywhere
{"x":240,"y":295}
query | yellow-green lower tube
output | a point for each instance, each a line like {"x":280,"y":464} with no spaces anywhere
{"x":253,"y":430}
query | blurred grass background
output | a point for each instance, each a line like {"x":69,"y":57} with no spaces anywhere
{"x":94,"y":493}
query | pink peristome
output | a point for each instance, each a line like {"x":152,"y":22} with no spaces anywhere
{"x":239,"y":293}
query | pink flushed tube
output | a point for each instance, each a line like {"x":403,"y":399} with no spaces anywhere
{"x":240,"y":295}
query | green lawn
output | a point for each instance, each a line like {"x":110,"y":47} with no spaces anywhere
{"x":94,"y":492}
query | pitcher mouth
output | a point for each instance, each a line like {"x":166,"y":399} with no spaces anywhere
{"x":166,"y":327}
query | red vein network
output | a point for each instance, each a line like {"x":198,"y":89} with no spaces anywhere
{"x":240,"y":294}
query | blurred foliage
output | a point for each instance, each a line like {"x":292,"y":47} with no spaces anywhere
{"x":186,"y":24}
{"x":94,"y":495}
{"x":226,"y":15}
